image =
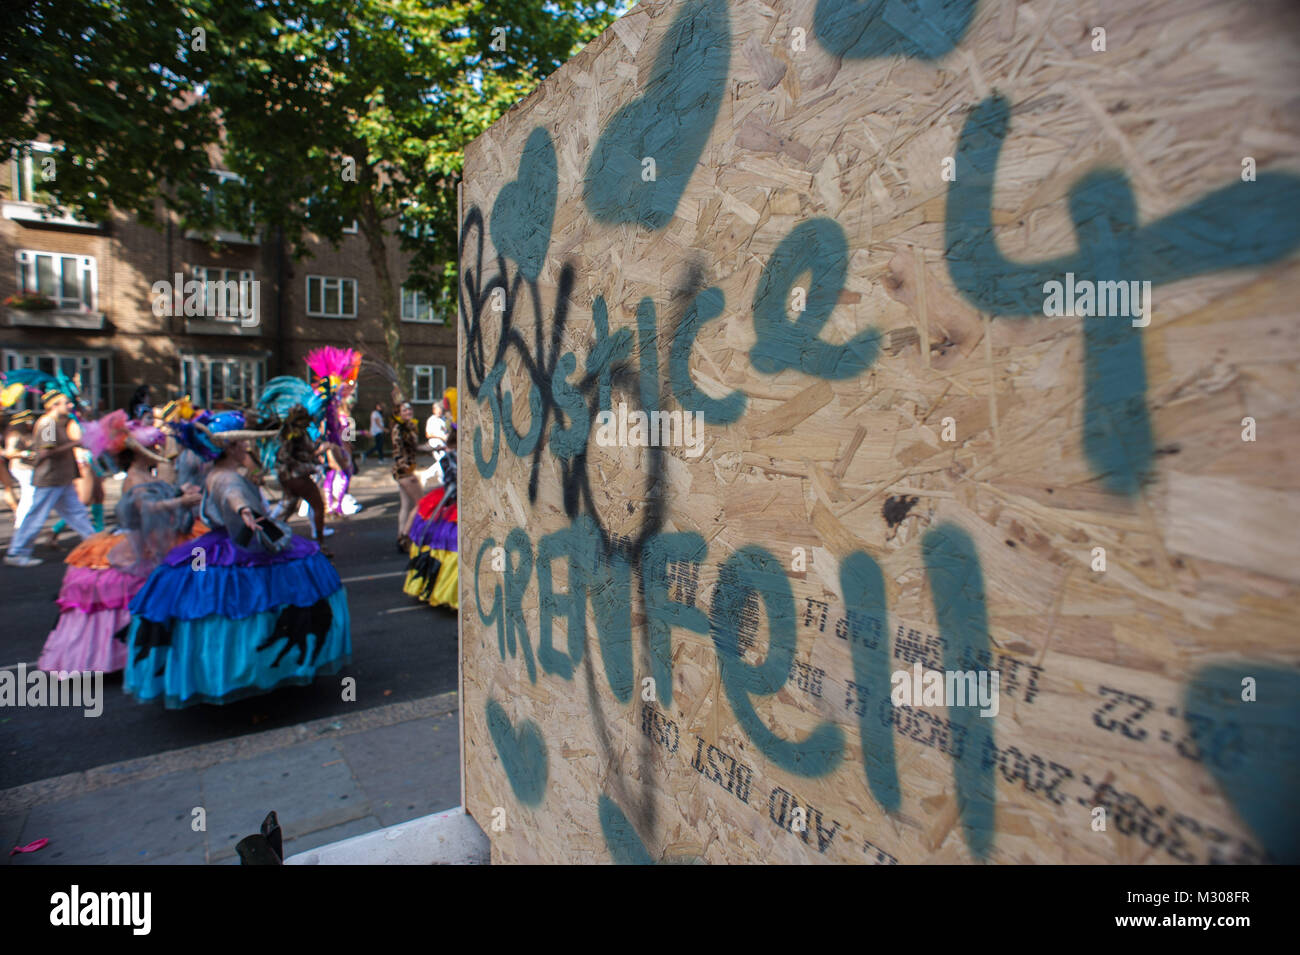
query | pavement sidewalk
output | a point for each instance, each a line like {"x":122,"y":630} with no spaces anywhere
{"x":327,"y":780}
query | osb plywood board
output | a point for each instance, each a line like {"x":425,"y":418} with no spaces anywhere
{"x":884,"y":251}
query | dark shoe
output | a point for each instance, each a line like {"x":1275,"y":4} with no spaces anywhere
{"x":265,"y":847}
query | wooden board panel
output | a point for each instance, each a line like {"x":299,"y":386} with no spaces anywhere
{"x":990,"y":321}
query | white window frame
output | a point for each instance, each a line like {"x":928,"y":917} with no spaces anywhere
{"x":412,"y":299}
{"x":203,"y":274}
{"x":219,"y":231}
{"x":325,"y":281}
{"x":198,"y":368}
{"x":352,"y":229}
{"x":223,"y":177}
{"x":95,"y":388}
{"x":436,"y":374}
{"x":22,"y":181}
{"x":27,"y":258}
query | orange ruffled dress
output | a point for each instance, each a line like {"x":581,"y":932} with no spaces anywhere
{"x":103,"y":575}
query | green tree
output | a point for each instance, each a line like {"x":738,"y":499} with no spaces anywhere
{"x":330,"y":111}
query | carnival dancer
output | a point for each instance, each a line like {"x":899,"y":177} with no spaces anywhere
{"x":242,"y":610}
{"x":334,"y":379}
{"x":295,"y":467}
{"x":105,"y":571}
{"x":406,"y":443}
{"x":432,"y":571}
{"x":338,"y":475}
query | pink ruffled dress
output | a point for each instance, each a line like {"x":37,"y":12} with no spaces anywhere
{"x":104,"y":572}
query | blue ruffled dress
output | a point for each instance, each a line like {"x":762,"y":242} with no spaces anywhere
{"x":223,"y":618}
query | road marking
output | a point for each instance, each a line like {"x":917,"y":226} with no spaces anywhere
{"x":353,"y":580}
{"x":401,"y":609}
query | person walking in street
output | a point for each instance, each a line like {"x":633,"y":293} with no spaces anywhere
{"x":436,"y":430}
{"x":90,"y":491}
{"x":57,"y":437}
{"x":377,"y":432}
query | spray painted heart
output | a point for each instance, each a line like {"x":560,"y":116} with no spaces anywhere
{"x":524,"y":210}
{"x":1244,"y":718}
{"x":522,"y":752}
{"x":648,"y":150}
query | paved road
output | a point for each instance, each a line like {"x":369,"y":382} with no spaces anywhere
{"x":402,"y":650}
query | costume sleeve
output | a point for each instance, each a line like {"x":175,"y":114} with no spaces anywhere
{"x":150,"y":517}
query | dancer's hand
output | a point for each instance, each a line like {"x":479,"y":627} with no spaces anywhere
{"x":249,"y":520}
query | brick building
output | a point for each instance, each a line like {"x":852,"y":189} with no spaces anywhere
{"x":102,"y":278}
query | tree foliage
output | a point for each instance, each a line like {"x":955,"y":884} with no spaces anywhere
{"x":331,"y":111}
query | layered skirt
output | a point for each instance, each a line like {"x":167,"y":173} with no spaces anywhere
{"x":94,"y":604}
{"x":215,"y":623}
{"x":431,"y":572}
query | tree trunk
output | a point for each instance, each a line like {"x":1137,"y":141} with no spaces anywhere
{"x":372,"y":227}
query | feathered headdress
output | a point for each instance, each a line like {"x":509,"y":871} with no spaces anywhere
{"x":283,"y":400}
{"x":334,"y":373}
{"x":114,"y":433}
{"x":20,"y":381}
{"x":206,"y":434}
{"x":281,"y":394}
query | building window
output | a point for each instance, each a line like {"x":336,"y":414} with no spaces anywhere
{"x":428,"y":382}
{"x":228,"y":294}
{"x":331,"y":297}
{"x":27,"y":172}
{"x":418,"y":307}
{"x":219,"y":197}
{"x":210,"y":380}
{"x":96,"y":381}
{"x":67,"y":280}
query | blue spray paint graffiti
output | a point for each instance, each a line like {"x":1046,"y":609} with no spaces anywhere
{"x":670,"y":122}
{"x":525,"y":208}
{"x":625,"y":846}
{"x":1244,"y":224}
{"x":818,"y":246}
{"x":957,"y":586}
{"x":1252,"y":747}
{"x":522,"y":752}
{"x":863,"y":29}
{"x":752,"y":570}
{"x":863,"y":587}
